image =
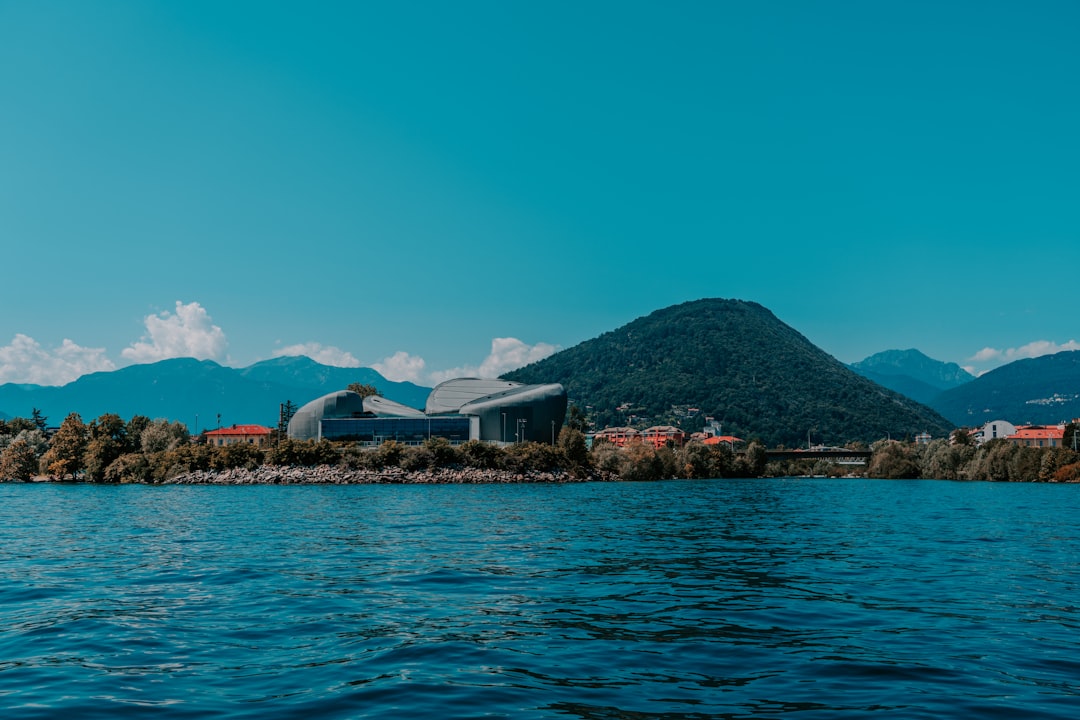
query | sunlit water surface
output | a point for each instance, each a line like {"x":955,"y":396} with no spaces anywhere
{"x":812,"y":598}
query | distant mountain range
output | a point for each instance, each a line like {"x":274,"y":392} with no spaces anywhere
{"x":911,"y":373}
{"x":1042,"y":390}
{"x":733,"y":360}
{"x":195,"y":392}
{"x":730,"y":359}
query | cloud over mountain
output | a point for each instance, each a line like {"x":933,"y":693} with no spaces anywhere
{"x":995,"y":357}
{"x":323,"y":354}
{"x":26,"y":361}
{"x":189,"y":332}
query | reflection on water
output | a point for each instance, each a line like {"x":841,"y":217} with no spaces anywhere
{"x":719,"y":599}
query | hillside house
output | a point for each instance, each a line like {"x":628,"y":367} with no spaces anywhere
{"x":617,"y":436}
{"x":660,"y":435}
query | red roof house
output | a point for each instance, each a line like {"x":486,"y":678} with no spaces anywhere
{"x":237,"y":434}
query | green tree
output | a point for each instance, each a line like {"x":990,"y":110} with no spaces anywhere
{"x":442,"y":452}
{"x":237,"y":455}
{"x":17,"y":425}
{"x":18,"y":461}
{"x":479,"y":454}
{"x":129,"y":468}
{"x":755,"y":459}
{"x":1071,"y":438}
{"x":575,"y":451}
{"x":66,"y":452}
{"x":893,"y":460}
{"x":161,"y":436}
{"x":107,"y":441}
{"x":576,"y":419}
{"x":39,"y":420}
{"x":362,"y":389}
{"x":960,"y":436}
{"x":133,"y":431}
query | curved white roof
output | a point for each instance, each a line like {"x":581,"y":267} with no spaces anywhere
{"x":452,"y":395}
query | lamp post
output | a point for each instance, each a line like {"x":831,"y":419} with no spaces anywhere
{"x":504,"y":428}
{"x":552,"y":432}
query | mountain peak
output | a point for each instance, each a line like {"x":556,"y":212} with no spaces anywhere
{"x":733,"y":360}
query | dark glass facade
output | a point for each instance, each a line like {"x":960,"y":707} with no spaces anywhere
{"x":404,"y":430}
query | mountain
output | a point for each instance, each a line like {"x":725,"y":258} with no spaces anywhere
{"x":911,"y":373}
{"x":196,"y":391}
{"x":1042,"y":390}
{"x":733,"y":360}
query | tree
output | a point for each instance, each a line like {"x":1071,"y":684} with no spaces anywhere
{"x":18,"y":461}
{"x":128,"y":468}
{"x":39,"y":420}
{"x":893,"y":460}
{"x":67,"y":449}
{"x":575,"y":451}
{"x":133,"y":432}
{"x":108,"y":441}
{"x":362,"y":390}
{"x":1071,"y":437}
{"x":576,"y":419}
{"x":960,"y":436}
{"x":755,"y":459}
{"x":161,"y":436}
{"x":17,"y":425}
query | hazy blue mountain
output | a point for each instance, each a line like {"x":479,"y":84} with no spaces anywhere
{"x":911,"y":373}
{"x":194,"y":392}
{"x":736,"y":361}
{"x":1040,"y":390}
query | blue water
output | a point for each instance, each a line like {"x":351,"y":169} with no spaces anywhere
{"x":701,"y":599}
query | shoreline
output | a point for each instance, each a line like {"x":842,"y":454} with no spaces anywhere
{"x":330,"y":475}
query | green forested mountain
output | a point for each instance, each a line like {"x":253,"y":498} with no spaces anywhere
{"x":733,"y":360}
{"x":1038,"y":390}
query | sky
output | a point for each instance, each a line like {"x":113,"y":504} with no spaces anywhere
{"x":437,"y":189}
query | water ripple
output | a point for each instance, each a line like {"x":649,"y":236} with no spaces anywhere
{"x":713,"y":599}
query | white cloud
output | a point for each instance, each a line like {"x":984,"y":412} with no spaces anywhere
{"x":401,"y":367}
{"x":187,"y":333}
{"x":25,"y":361}
{"x":325,"y":354}
{"x":995,"y":357}
{"x":506,"y":354}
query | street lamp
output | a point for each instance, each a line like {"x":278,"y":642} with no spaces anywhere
{"x":504,"y":427}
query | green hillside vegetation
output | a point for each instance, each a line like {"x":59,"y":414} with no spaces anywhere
{"x":1042,"y":390}
{"x":737,"y":362}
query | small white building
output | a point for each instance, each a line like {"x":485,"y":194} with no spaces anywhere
{"x":993,"y":430}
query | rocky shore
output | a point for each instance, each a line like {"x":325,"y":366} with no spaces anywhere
{"x":330,"y":475}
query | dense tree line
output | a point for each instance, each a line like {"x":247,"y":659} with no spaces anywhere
{"x":996,"y":460}
{"x":110,"y":450}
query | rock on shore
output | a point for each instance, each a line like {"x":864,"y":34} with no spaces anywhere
{"x":330,"y":475}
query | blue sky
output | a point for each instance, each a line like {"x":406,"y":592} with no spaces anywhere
{"x":455,"y":188}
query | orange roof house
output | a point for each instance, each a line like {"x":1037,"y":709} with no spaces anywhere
{"x":722,"y":440}
{"x":238,"y":434}
{"x":1038,"y":436}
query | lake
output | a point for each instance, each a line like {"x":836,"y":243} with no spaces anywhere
{"x":809,"y":598}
